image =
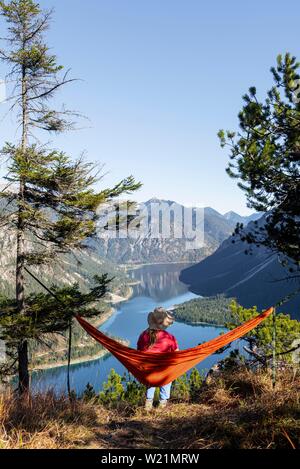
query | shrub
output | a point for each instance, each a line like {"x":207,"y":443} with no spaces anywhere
{"x":126,"y":389}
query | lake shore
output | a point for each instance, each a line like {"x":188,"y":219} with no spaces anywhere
{"x":116,"y":299}
{"x":76,"y":361}
{"x":146,"y":264}
{"x":199,"y":323}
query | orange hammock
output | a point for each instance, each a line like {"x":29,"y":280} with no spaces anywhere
{"x":158,"y":369}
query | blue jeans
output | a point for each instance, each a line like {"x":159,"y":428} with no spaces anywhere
{"x":164,"y":392}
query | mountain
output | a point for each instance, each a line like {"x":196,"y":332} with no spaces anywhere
{"x":236,"y":218}
{"x":148,"y":249}
{"x":107,"y":250}
{"x":253,"y":279}
{"x":79,"y":267}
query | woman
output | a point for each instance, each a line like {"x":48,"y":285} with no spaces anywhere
{"x":156,"y":339}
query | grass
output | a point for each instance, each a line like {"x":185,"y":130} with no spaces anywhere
{"x":236,"y":410}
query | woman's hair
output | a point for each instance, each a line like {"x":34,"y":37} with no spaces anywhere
{"x":152,"y":336}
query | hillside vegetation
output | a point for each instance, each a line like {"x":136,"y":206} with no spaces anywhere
{"x":213,"y":310}
{"x":232,"y":410}
{"x":77,"y":268}
{"x":54,"y":351}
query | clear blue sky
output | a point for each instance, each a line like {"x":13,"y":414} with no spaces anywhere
{"x":160,"y":78}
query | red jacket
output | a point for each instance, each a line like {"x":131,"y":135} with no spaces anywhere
{"x":165,"y":342}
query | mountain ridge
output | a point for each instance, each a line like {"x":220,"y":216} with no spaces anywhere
{"x":146,"y":249}
{"x":237,"y":218}
{"x":253,"y":279}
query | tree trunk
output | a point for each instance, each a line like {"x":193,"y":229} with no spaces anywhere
{"x":20,"y":293}
{"x":20,"y":297}
{"x":23,"y":367}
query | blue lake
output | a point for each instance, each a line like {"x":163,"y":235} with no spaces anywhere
{"x":159,"y":285}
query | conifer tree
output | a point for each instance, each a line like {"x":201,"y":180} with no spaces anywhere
{"x":265,"y":157}
{"x":49,"y":200}
{"x":287,"y":333}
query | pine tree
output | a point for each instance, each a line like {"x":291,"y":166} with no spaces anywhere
{"x":265,"y":156}
{"x":49,"y":200}
{"x":287,"y":334}
{"x":113,"y":389}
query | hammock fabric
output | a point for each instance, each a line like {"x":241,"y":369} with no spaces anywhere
{"x":158,"y":369}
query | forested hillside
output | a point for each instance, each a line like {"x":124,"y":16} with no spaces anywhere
{"x":212,"y":310}
{"x":79,"y":267}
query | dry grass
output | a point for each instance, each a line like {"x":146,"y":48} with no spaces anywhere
{"x":235,"y":410}
{"x":46,"y":421}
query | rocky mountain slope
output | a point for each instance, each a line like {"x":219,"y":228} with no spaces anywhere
{"x":146,"y":247}
{"x":149,"y":249}
{"x":107,"y":251}
{"x":254,"y":279}
{"x":79,"y":267}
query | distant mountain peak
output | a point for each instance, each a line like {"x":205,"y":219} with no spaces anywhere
{"x":156,"y":200}
{"x":237,"y":218}
{"x":213,"y":211}
{"x":230,"y":214}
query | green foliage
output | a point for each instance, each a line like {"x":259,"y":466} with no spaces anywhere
{"x":45,"y":313}
{"x":195,"y":383}
{"x":134,"y":392}
{"x":180,"y":388}
{"x":187,"y":386}
{"x":46,"y":322}
{"x":265,"y":156}
{"x":56,"y":207}
{"x":287,"y":331}
{"x":125,"y":389}
{"x":113,"y":389}
{"x":80,"y":266}
{"x":121,"y":389}
{"x":212,"y":310}
{"x":59,"y":208}
{"x":89,"y":392}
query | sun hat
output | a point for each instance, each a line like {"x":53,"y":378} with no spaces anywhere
{"x":160,"y":319}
